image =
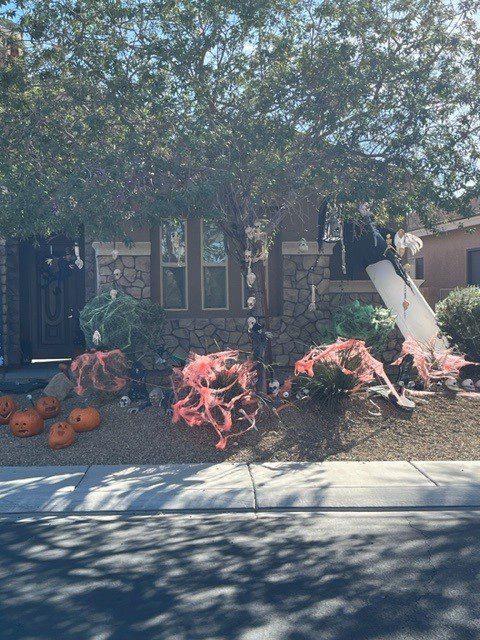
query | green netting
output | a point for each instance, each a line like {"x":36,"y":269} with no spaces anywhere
{"x":123,"y":322}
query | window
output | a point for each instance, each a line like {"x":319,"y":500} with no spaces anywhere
{"x":173,"y":245}
{"x":214,"y":267}
{"x":419,"y":269}
{"x":473,"y":263}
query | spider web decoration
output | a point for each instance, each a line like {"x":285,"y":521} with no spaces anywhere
{"x":432,"y":363}
{"x":365,"y":367}
{"x":102,"y":371}
{"x":123,"y":322}
{"x":216,"y":390}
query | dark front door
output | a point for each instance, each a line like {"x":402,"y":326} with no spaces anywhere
{"x":51,"y":295}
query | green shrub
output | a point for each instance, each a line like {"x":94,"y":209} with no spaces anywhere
{"x":124,"y":322}
{"x":366,"y":322}
{"x":458,"y":316}
{"x":330,"y":384}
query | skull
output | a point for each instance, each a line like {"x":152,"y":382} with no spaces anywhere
{"x":468,"y":385}
{"x":248,"y":255}
{"x":249,"y":232}
{"x":117,"y":273}
{"x":303,"y":246}
{"x":451,"y":384}
{"x":251,"y":322}
{"x":114,"y":254}
{"x":113,"y":294}
{"x":125,"y":401}
{"x":251,"y":277}
{"x":251,"y":302}
{"x":156,"y":396}
{"x":274,"y":387}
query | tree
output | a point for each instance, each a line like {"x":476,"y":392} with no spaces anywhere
{"x":124,"y":111}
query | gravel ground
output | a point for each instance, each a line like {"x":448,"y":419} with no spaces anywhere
{"x":440,"y":428}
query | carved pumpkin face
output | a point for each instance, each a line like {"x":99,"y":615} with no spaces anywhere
{"x":7,"y":406}
{"x":61,"y":435}
{"x":48,"y":407}
{"x":24,"y":424}
{"x":85,"y":419}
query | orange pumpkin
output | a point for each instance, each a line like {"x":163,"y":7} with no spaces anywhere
{"x":61,"y":435}
{"x":48,"y":407}
{"x":7,"y":406}
{"x":84,"y":419}
{"x":26,"y":423}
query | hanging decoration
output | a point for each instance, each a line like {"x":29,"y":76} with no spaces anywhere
{"x":60,"y":268}
{"x":312,"y":306}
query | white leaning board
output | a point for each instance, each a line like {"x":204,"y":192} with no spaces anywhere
{"x":419,"y":319}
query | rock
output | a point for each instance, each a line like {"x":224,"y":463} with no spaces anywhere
{"x":59,"y":386}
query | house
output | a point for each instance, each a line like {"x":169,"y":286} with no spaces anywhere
{"x":450,"y":257}
{"x":184,"y":266}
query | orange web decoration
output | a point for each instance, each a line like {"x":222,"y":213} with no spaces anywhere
{"x":431,"y":362}
{"x":104,"y":371}
{"x":216,"y":390}
{"x":340,"y":352}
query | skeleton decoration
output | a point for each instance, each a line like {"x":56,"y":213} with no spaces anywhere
{"x":257,"y":247}
{"x":78,"y":260}
{"x":468,"y":385}
{"x":114,"y":254}
{"x":96,"y":338}
{"x":156,"y":396}
{"x":303,"y":246}
{"x":274,"y":387}
{"x":125,"y":401}
{"x":113,"y":294}
{"x":251,"y":321}
{"x":451,"y":384}
{"x":117,"y":273}
{"x":312,"y":306}
{"x":333,"y":225}
{"x":251,"y":302}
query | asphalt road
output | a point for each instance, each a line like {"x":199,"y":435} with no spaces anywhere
{"x":276,"y":577}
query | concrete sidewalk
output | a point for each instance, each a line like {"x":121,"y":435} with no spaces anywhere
{"x":241,"y":487}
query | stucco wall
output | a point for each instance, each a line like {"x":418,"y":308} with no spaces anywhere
{"x":445,"y":260}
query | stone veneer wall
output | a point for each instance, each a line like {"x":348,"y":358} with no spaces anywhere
{"x":294,"y":332}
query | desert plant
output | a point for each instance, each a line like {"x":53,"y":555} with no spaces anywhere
{"x":120,"y":321}
{"x":332,"y":371}
{"x":458,"y":316}
{"x":366,"y":322}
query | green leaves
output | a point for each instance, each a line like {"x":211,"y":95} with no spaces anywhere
{"x":122,"y":111}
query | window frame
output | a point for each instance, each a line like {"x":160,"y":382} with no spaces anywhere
{"x":184,"y":265}
{"x":420,"y":259}
{"x":204,"y":264}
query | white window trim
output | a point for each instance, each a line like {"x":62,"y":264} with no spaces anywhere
{"x":216,"y":265}
{"x":175,"y":264}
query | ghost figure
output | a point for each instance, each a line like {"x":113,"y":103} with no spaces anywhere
{"x":303,"y":246}
{"x":117,"y":274}
{"x":404,"y":241}
{"x":251,"y":302}
{"x":96,"y":338}
{"x":125,"y":401}
{"x":251,"y":322}
{"x":274,"y":387}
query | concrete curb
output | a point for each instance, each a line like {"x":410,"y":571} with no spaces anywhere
{"x":241,"y":487}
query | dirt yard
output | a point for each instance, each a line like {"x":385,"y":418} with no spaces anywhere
{"x":440,"y":428}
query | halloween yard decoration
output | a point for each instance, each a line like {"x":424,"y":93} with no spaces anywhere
{"x":432,"y":363}
{"x":48,"y":407}
{"x":61,"y":436}
{"x":26,"y":423}
{"x":84,"y":419}
{"x":216,"y":390}
{"x":100,"y":372}
{"x":341,"y":368}
{"x":7,"y":406}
